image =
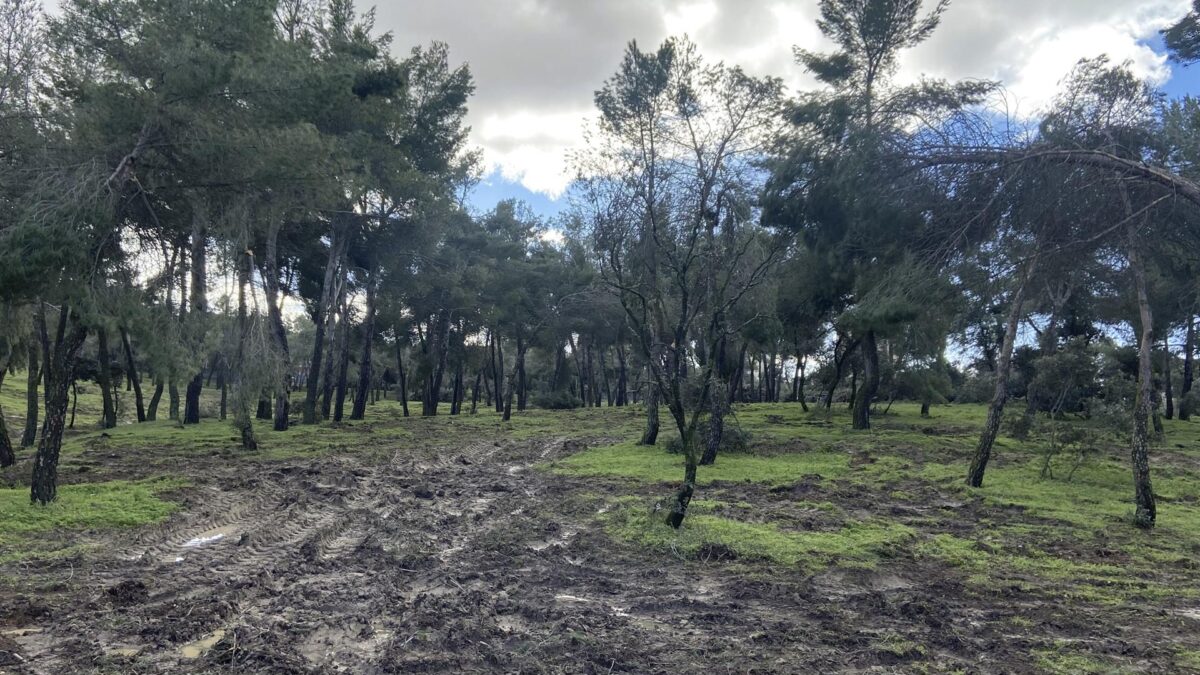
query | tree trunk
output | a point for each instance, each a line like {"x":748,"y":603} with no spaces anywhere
{"x":245,"y":390}
{"x":866,"y":396}
{"x":33,"y":376}
{"x":44,"y":482}
{"x":364,"y":363}
{"x":498,"y":364}
{"x":650,"y":435}
{"x":337,"y":244}
{"x":475,"y":391}
{"x":343,"y":362}
{"x":173,"y":401}
{"x":622,"y":377}
{"x":7,"y":456}
{"x":1189,"y":351}
{"x":108,"y":419}
{"x":1170,"y":411}
{"x":924,"y":408}
{"x":270,"y":276}
{"x":1144,"y":515}
{"x":522,"y":384}
{"x":155,"y":398}
{"x":983,"y":451}
{"x":801,"y":365}
{"x":198,"y":308}
{"x":134,"y":379}
{"x":520,"y":363}
{"x":402,"y":379}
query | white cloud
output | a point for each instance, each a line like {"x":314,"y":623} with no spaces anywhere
{"x":537,"y":63}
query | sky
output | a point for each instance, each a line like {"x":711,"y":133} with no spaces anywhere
{"x":537,"y":63}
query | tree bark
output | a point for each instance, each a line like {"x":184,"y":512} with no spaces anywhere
{"x":270,"y":276}
{"x":134,"y":379}
{"x":1170,"y":410}
{"x":402,"y":379}
{"x":7,"y":456}
{"x":44,"y":482}
{"x":246,"y":391}
{"x":870,"y":386}
{"x":343,"y":363}
{"x":983,"y":450}
{"x":1189,"y":351}
{"x":198,"y":307}
{"x":650,"y":435}
{"x":1144,"y":514}
{"x":33,"y":377}
{"x":520,"y":363}
{"x":364,"y":363}
{"x":337,"y":243}
{"x":108,"y":419}
{"x":155,"y":398}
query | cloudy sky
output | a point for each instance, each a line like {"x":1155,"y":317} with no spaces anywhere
{"x":537,"y":62}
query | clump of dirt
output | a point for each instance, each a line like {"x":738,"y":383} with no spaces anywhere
{"x":127,"y":592}
{"x":709,"y":552}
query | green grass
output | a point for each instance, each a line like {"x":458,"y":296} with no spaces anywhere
{"x":653,"y":464}
{"x":858,"y":544}
{"x":79,"y":508}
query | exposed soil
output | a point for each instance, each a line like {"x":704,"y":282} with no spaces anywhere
{"x":467,"y":559}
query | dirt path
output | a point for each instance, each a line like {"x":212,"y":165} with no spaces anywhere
{"x":460,"y":560}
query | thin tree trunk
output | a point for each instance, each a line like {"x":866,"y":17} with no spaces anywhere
{"x":866,"y":396}
{"x":520,"y":363}
{"x":44,"y":482}
{"x":108,"y":418}
{"x":402,"y":383}
{"x":173,"y":401}
{"x":475,"y":391}
{"x":245,"y":389}
{"x":983,"y":450}
{"x":1144,"y":515}
{"x":199,"y":307}
{"x":278,"y":330}
{"x":1189,"y":351}
{"x":134,"y":380}
{"x":7,"y":456}
{"x":343,"y":363}
{"x":522,"y":384}
{"x":33,"y":377}
{"x":1170,"y":411}
{"x":364,"y":362}
{"x":650,"y":435}
{"x":155,"y":398}
{"x":338,"y":237}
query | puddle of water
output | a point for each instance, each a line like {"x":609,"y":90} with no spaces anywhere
{"x":562,"y":597}
{"x":193,"y":650}
{"x":18,"y":632}
{"x":213,"y":535}
{"x":124,"y":651}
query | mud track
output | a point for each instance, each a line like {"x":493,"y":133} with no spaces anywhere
{"x":461,"y":559}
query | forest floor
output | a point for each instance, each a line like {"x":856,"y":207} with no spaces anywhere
{"x":463,"y":544}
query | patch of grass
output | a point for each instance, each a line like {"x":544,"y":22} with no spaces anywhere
{"x":858,"y":544}
{"x":652,"y":464}
{"x":1063,"y":660}
{"x":93,"y":506}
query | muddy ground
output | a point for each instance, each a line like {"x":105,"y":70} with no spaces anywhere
{"x":470,"y":559}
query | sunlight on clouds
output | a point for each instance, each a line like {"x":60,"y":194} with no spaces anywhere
{"x":690,"y":19}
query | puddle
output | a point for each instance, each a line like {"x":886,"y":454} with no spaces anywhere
{"x":213,"y":535}
{"x":18,"y":632}
{"x":124,"y":651}
{"x":193,"y":650}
